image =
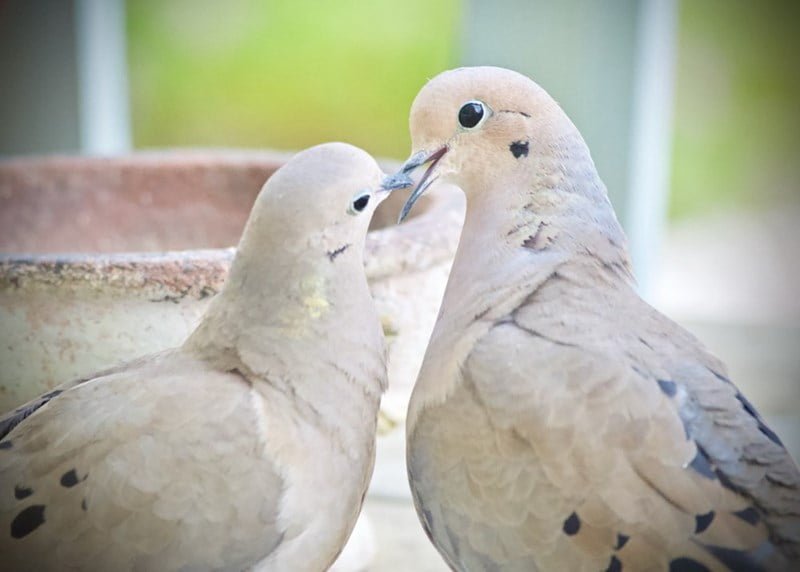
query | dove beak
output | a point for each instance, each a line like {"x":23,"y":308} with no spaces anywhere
{"x":402,"y":179}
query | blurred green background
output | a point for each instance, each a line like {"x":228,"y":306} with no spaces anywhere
{"x":288,"y":74}
{"x":737,"y":115}
{"x":285,"y":73}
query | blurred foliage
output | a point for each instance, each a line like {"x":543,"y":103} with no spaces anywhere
{"x":283,"y":73}
{"x":291,"y":73}
{"x":737,"y":115}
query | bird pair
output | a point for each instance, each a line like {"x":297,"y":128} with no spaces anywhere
{"x":558,"y":421}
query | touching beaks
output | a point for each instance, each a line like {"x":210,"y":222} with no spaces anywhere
{"x":399,"y":180}
{"x":402,"y":179}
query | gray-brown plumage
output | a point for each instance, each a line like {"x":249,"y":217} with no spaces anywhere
{"x":249,"y":447}
{"x":558,"y":421}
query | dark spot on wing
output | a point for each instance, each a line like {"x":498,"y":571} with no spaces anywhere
{"x":622,"y":540}
{"x":719,"y":376}
{"x":8,"y":422}
{"x":770,"y":434}
{"x":28,"y":520}
{"x":572,"y":525}
{"x":83,"y":505}
{"x":749,"y":515}
{"x":615,"y":565}
{"x":332,"y":254}
{"x":748,"y":407}
{"x":21,"y":492}
{"x":69,"y":479}
{"x":735,"y":560}
{"x":6,"y":444}
{"x":703,"y":521}
{"x":668,"y":387}
{"x":702,"y":465}
{"x":519,"y":149}
{"x":685,"y":564}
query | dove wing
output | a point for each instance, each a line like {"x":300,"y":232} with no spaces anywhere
{"x":116,"y":473}
{"x":600,"y":424}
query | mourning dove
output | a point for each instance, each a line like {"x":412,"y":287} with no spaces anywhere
{"x":250,"y":446}
{"x":558,"y":421}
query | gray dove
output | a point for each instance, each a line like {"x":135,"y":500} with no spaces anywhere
{"x":558,"y":421}
{"x":248,"y":447}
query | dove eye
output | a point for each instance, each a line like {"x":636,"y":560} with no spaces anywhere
{"x":359,"y":203}
{"x":472,"y":114}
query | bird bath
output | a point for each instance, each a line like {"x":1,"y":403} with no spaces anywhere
{"x":107,"y":259}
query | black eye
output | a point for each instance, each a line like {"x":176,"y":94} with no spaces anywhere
{"x":471,"y":114}
{"x":360,"y":203}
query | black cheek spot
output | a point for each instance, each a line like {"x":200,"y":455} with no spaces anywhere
{"x":83,"y":505}
{"x":749,"y":515}
{"x":622,"y":540}
{"x":519,"y":149}
{"x":69,"y":479}
{"x":615,"y":565}
{"x":701,"y":465}
{"x":21,"y":492}
{"x":28,"y":520}
{"x":6,"y":444}
{"x":703,"y":521}
{"x":668,"y":387}
{"x":332,"y":254}
{"x":686,"y":565}
{"x":572,"y":525}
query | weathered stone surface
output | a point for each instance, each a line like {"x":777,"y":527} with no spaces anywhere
{"x":104,"y":260}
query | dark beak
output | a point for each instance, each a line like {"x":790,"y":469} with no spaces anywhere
{"x":401,"y":179}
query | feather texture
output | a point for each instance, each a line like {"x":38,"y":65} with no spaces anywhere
{"x":558,"y":421}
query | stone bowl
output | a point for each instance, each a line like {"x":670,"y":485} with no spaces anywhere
{"x":106,"y":259}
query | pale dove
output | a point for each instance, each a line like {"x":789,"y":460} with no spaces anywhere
{"x":251,"y":446}
{"x":559,"y":422}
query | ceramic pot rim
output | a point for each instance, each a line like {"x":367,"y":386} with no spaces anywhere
{"x":416,"y":245}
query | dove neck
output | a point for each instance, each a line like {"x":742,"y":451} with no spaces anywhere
{"x":292,"y":295}
{"x":562,"y":208}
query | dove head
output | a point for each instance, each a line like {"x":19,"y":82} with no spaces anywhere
{"x":321,"y":200}
{"x":299,"y":263}
{"x":298,"y":275}
{"x":482,"y":126}
{"x":305,"y":236}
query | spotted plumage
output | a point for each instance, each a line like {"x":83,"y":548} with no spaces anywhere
{"x":27,"y":520}
{"x":22,"y":492}
{"x":69,"y":479}
{"x":558,"y":421}
{"x":252,"y":444}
